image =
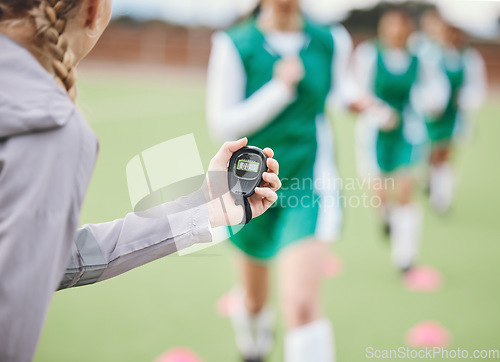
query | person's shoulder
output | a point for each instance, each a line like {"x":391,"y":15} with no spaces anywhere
{"x":341,"y":38}
{"x":320,"y":33}
{"x":242,"y":31}
{"x":245,"y":36}
{"x":471,"y":54}
{"x":319,"y":30}
{"x":369,"y":46}
{"x":29,"y":97}
{"x":366,"y":53}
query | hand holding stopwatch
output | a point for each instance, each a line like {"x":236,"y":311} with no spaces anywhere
{"x":245,"y":170}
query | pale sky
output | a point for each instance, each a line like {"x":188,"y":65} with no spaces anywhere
{"x":477,"y":16}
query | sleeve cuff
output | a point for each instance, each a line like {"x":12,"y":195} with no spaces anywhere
{"x":197,"y":221}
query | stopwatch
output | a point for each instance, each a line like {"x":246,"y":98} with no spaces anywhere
{"x":245,"y":170}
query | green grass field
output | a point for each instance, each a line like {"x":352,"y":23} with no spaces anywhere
{"x":171,"y":302}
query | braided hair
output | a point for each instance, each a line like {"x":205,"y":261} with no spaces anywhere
{"x":49,"y":18}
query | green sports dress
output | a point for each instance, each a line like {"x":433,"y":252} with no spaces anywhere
{"x":292,"y":136}
{"x":441,"y":129}
{"x":392,"y":148}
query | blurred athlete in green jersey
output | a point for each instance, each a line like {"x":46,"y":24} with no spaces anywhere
{"x":269,"y":79}
{"x":406,"y":87}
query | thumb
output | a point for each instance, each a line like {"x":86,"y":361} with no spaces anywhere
{"x":228,"y":148}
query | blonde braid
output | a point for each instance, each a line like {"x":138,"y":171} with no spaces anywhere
{"x":50,"y":22}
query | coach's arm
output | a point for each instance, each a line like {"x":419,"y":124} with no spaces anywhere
{"x":103,"y":251}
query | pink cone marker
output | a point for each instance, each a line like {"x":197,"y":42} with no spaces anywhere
{"x":424,"y":279}
{"x":332,"y":266}
{"x":428,"y":334}
{"x":178,"y":354}
{"x":226,"y":304}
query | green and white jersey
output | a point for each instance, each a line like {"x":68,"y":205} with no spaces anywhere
{"x":465,"y":72}
{"x":412,"y":87}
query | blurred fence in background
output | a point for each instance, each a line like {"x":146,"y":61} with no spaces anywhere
{"x":154,"y":44}
{"x":159,"y":43}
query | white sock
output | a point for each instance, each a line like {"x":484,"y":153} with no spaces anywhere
{"x":441,"y":186}
{"x":406,"y":225}
{"x":311,"y":342}
{"x":253,"y":332}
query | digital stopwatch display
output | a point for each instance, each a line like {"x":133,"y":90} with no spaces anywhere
{"x":245,"y":171}
{"x":248,"y":166}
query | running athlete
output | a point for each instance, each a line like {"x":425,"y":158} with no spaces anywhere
{"x":269,"y":78}
{"x":403,"y":88}
{"x":465,"y":72}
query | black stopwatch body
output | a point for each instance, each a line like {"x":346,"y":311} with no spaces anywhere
{"x":245,"y":171}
